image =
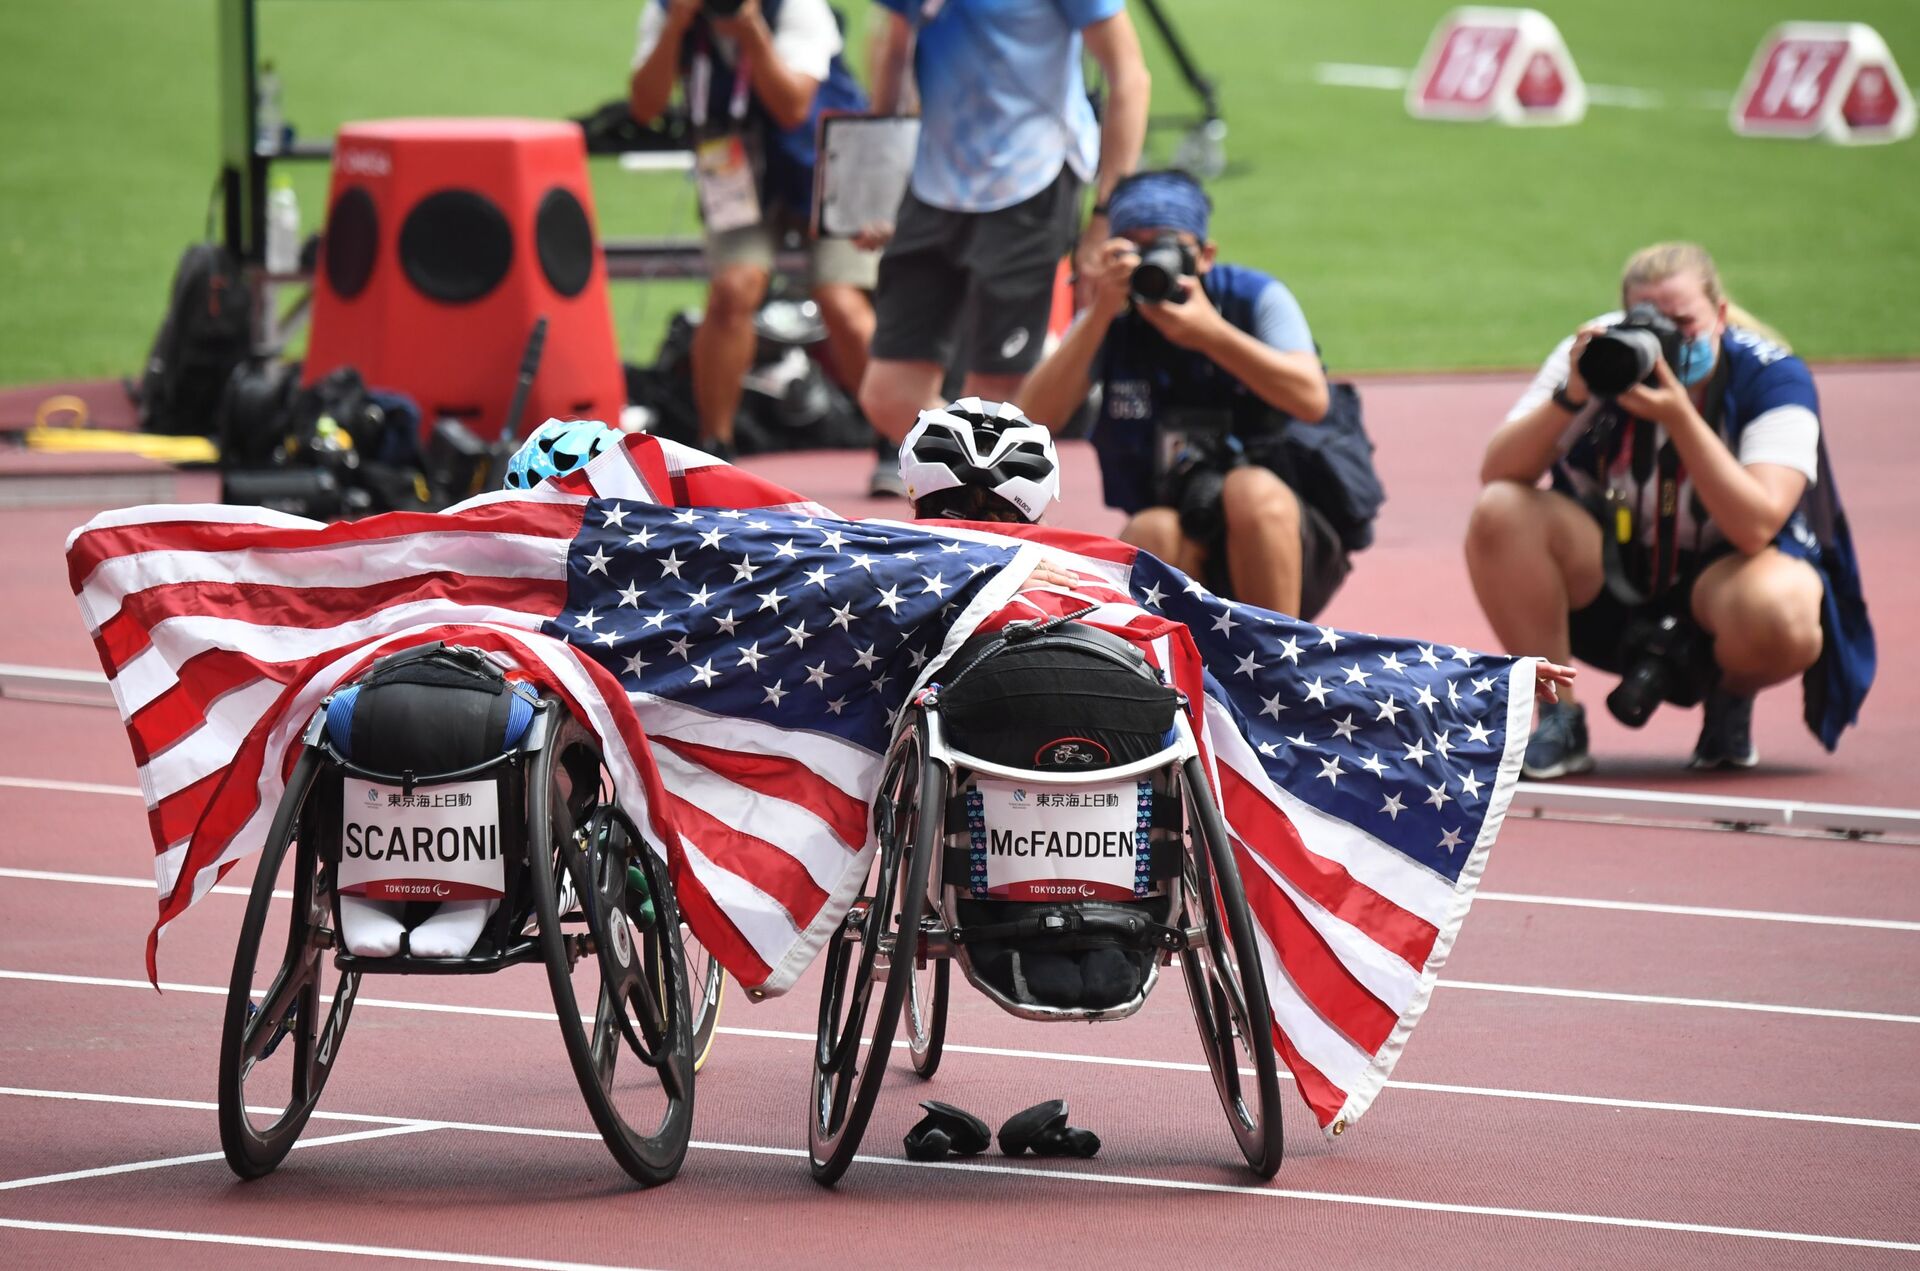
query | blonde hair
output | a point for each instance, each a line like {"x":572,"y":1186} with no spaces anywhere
{"x":1664,"y":260}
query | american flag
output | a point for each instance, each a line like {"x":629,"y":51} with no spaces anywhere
{"x":744,"y":655}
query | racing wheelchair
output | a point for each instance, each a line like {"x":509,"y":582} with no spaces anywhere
{"x":433,"y":788}
{"x":1044,"y":822}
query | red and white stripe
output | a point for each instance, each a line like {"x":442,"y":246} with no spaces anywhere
{"x":222,"y":628}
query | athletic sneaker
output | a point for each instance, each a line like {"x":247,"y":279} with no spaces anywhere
{"x":1726,"y":733}
{"x":1558,"y":747}
{"x":886,"y":482}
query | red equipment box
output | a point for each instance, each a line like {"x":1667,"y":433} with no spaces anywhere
{"x":445,"y":240}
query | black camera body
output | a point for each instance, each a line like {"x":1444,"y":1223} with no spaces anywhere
{"x":721,"y":8}
{"x":1666,"y":658}
{"x":1165,"y":263}
{"x":1629,"y":351}
{"x":1196,"y":481}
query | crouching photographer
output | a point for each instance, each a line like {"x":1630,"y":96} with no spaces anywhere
{"x":1218,"y":433}
{"x":1692,"y":538}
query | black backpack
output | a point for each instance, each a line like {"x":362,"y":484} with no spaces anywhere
{"x":205,"y":334}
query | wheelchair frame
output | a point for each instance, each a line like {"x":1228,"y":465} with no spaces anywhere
{"x":906,"y":906}
{"x":566,"y":901}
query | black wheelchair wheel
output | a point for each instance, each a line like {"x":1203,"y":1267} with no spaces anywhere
{"x":706,"y":989}
{"x":277,"y":1048}
{"x":927,"y":1015}
{"x":1227,"y":985}
{"x":873,"y":946}
{"x":610,"y":935}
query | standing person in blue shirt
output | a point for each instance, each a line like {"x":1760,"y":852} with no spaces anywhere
{"x":1214,"y":369}
{"x":1008,"y":141}
{"x":1715,"y":481}
{"x":757,"y":75}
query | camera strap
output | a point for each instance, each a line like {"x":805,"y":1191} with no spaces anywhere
{"x":700,"y":85}
{"x":723,"y":170}
{"x":1651,"y":458}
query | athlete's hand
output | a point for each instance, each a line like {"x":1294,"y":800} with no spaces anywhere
{"x":1047,"y":574}
{"x":1550,"y":677}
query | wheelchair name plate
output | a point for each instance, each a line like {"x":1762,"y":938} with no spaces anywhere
{"x":440,"y":842}
{"x":1060,"y":842}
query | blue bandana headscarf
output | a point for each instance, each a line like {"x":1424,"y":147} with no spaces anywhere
{"x":1159,"y":200}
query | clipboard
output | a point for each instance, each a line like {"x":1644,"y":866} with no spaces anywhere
{"x":862,"y":169}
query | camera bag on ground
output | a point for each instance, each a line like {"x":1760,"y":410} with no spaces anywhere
{"x":205,"y":334}
{"x":787,"y":400}
{"x":1062,"y":696}
{"x":333,"y":449}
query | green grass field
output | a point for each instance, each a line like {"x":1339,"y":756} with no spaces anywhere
{"x":1411,"y":245}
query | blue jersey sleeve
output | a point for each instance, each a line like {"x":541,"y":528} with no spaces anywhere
{"x":1786,"y":382}
{"x":1279,"y":322}
{"x":1081,"y":14}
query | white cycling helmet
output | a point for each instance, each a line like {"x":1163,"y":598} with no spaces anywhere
{"x":991,"y":445}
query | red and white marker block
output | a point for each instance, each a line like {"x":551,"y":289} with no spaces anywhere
{"x":1836,"y":80}
{"x":1507,"y":65}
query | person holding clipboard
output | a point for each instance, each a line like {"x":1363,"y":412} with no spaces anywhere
{"x":1008,"y":143}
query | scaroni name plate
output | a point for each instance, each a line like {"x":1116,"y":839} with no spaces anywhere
{"x":437,"y":842}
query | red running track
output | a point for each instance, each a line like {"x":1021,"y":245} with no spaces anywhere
{"x":1600,"y":1083}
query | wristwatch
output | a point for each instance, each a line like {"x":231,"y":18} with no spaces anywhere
{"x":1566,"y":403}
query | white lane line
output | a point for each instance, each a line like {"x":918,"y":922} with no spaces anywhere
{"x":113,"y":880}
{"x":1050,"y":1056}
{"x":1498,"y":897}
{"x":1355,"y":75}
{"x":1395,"y":79}
{"x":1522,"y":990}
{"x":308,"y":1246}
{"x":136,"y":1167}
{"x":1698,"y":911}
{"x":1705,"y":1003}
{"x":1132,"y":1180}
{"x":70,"y":787}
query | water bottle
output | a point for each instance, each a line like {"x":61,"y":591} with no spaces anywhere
{"x":283,"y":226}
{"x":268,"y":119}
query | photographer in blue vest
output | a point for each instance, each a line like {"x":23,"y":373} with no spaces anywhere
{"x":1691,"y":536}
{"x":757,"y":74}
{"x":1204,"y":366}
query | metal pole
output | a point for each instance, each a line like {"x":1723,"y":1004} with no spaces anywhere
{"x":1195,"y":77}
{"x":243,"y":172}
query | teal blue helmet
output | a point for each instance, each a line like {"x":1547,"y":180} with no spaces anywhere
{"x":556,"y":448}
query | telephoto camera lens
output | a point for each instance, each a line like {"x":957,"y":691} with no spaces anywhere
{"x":1617,"y":359}
{"x":1626,"y":353}
{"x":1162,"y":265}
{"x":1667,"y":660}
{"x":1640,"y":690}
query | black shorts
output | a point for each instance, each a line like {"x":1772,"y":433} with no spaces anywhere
{"x":994,"y":268}
{"x":1324,"y":563}
{"x":1598,"y":628}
